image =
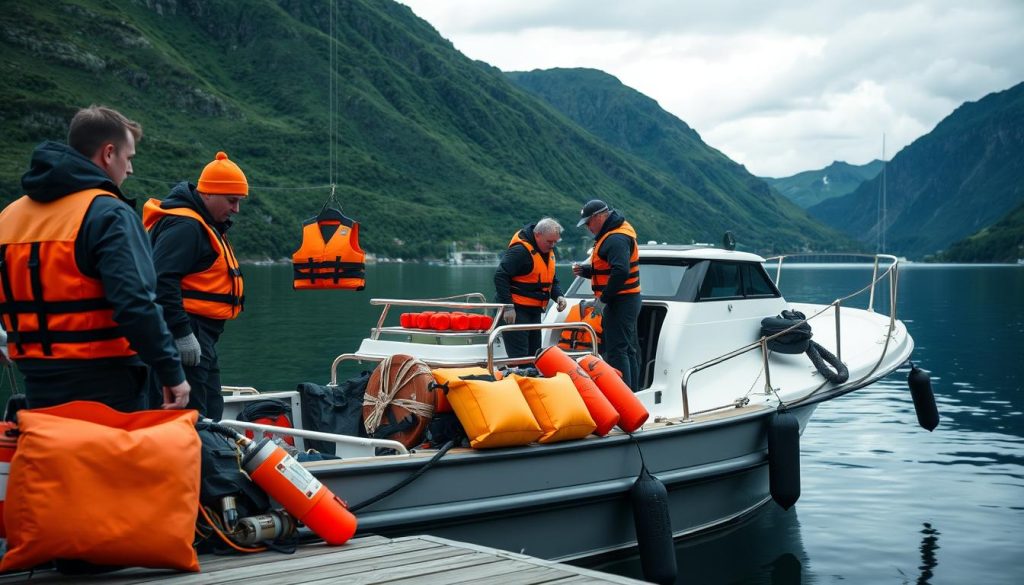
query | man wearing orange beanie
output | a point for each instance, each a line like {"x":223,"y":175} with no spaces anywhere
{"x":199,"y":284}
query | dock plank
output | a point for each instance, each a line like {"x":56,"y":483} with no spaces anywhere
{"x":367,"y":560}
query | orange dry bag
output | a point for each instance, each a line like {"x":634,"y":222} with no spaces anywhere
{"x":301,"y":494}
{"x":112,"y":488}
{"x":8,"y":444}
{"x":553,"y":360}
{"x":632,"y":413}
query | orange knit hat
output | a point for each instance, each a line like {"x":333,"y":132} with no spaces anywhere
{"x":223,"y":177}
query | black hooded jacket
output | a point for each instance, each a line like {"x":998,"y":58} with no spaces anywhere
{"x":517,"y":261}
{"x":181,"y":247}
{"x":112,"y":247}
{"x":617,"y":249}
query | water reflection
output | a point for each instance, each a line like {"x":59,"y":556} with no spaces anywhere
{"x":929,"y":544}
{"x":765,"y":548}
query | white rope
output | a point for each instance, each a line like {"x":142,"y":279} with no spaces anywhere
{"x":386,"y":391}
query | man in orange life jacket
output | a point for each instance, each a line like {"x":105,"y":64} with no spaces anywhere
{"x":526,"y":279}
{"x":199,"y":282}
{"x":614,"y":273}
{"x":76,"y":275}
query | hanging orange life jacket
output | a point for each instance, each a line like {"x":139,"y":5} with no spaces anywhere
{"x":337,"y":263}
{"x":534,"y":288}
{"x":50,"y":309}
{"x":602,"y":269}
{"x":574,"y":339}
{"x":218,"y":291}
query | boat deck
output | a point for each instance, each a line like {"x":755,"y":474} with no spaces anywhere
{"x":365,"y":560}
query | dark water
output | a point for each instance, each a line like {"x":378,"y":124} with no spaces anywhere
{"x":883,"y":501}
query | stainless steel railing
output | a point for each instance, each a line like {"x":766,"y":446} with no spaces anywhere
{"x":892,"y":272}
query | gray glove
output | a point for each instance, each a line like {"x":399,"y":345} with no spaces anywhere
{"x":188,"y":347}
{"x":560,"y":304}
{"x":509,"y":316}
{"x":598,"y":307}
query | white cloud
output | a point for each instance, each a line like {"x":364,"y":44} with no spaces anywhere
{"x":781,"y":87}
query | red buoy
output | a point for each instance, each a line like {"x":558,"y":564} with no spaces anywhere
{"x":632,"y":413}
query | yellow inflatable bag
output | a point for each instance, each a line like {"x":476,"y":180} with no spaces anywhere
{"x":494,"y":414}
{"x":443,"y":375}
{"x":557,"y":406}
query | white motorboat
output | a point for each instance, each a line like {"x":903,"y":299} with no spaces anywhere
{"x":710,"y":380}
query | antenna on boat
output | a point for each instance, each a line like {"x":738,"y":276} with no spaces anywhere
{"x":882,"y":204}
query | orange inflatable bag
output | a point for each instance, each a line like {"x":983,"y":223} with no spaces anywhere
{"x":8,"y":445}
{"x":111,"y":488}
{"x":553,"y":360}
{"x":444,"y":375}
{"x":632,"y":413}
{"x":557,"y":406}
{"x":493,"y":413}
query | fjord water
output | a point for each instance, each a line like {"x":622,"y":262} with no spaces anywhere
{"x":883,"y":501}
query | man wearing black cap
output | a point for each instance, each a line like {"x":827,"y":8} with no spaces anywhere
{"x":614,"y":273}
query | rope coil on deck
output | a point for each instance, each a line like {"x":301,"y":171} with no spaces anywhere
{"x":796,"y":338}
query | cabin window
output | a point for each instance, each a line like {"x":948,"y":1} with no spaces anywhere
{"x":722,"y":281}
{"x":735,"y":280}
{"x":659,"y":279}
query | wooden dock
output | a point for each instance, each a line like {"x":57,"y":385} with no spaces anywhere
{"x":370,"y":559}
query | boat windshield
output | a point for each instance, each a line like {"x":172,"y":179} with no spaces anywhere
{"x":673,"y":279}
{"x":661,"y":279}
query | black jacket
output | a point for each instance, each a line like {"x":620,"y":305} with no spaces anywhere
{"x":181,"y":246}
{"x":111,"y":246}
{"x":517,"y":261}
{"x":617,"y":249}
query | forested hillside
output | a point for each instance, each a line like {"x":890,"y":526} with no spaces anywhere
{"x":809,"y":188}
{"x":720,"y":194}
{"x":425,"y":145}
{"x":959,"y":178}
{"x":1003,"y":241}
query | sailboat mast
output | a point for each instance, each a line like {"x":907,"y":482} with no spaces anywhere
{"x":884,"y":196}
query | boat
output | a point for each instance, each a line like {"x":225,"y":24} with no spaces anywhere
{"x":711,"y":382}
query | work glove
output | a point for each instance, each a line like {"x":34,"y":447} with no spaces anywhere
{"x":509,"y":316}
{"x":188,"y":347}
{"x":598,"y":307}
{"x":560,"y":304}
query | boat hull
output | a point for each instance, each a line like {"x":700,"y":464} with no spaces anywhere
{"x":569,"y":501}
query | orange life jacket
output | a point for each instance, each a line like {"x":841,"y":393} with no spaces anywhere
{"x":534,"y":288}
{"x":218,"y":291}
{"x":574,"y":339}
{"x":602,"y":269}
{"x":337,"y":263}
{"x":50,"y":309}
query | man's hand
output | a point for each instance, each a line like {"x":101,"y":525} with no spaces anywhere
{"x":188,"y":348}
{"x":598,"y":307}
{"x":176,"y":396}
{"x":560,"y":304}
{"x":509,"y":316}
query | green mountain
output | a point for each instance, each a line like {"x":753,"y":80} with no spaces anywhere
{"x":425,"y":146}
{"x":962,"y":176}
{"x":719,"y":194}
{"x":1003,"y":241}
{"x":837,"y":179}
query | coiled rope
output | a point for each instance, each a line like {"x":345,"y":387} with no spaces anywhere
{"x":386,"y":391}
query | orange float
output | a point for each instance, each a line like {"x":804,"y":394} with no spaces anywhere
{"x":632,"y":413}
{"x":553,"y":360}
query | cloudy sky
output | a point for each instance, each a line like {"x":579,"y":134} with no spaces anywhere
{"x":781,"y":86}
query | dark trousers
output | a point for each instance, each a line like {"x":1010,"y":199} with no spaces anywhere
{"x":204,"y":379}
{"x":523,"y":343}
{"x":621,"y":346}
{"x":118,"y":386}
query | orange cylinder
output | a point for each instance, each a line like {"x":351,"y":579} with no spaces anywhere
{"x":632,"y":413}
{"x":553,"y":360}
{"x":423,"y":320}
{"x":440,"y":321}
{"x":407,"y":320}
{"x":460,"y":321}
{"x":8,"y":444}
{"x":301,"y":494}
